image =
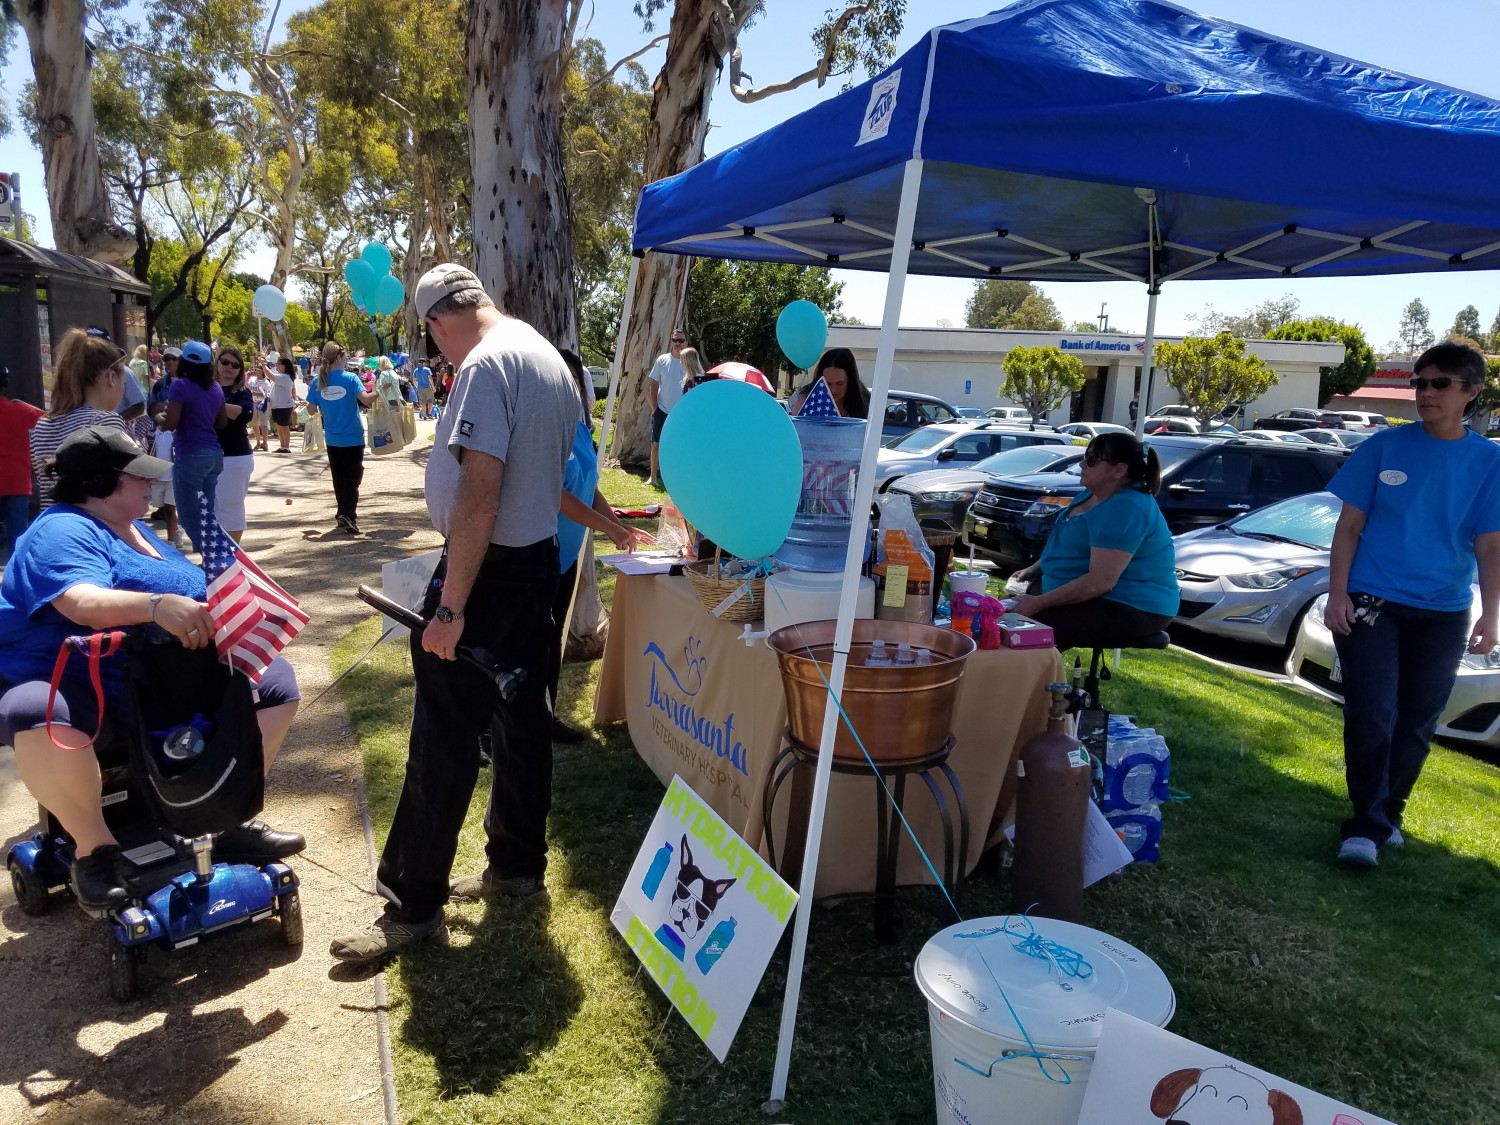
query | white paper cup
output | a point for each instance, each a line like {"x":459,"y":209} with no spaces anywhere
{"x":968,"y":581}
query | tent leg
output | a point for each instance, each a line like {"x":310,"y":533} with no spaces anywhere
{"x":885,"y":354}
{"x":1148,"y":368}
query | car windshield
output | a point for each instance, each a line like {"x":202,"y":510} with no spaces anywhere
{"x":1170,"y":455}
{"x":1306,"y":520}
{"x":922,"y":441}
{"x":1349,"y":438}
{"x":1023,"y":459}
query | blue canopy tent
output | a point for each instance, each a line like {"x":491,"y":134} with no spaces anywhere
{"x":1067,"y":140}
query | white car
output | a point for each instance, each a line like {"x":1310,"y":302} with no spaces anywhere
{"x":1336,"y":439}
{"x":1014,"y":415}
{"x":950,"y":445}
{"x":1363,"y":419}
{"x":1473,"y":710}
{"x":1289,"y":437}
{"x":1090,"y":430}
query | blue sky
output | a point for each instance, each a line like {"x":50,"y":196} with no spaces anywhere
{"x":1451,"y":41}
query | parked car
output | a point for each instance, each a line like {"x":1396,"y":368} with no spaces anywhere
{"x":969,"y":412}
{"x":941,"y":497}
{"x":1175,"y":424}
{"x":1473,"y":710}
{"x":1301,"y":418}
{"x":1090,"y":430}
{"x":962,"y":442}
{"x":1335,"y":439}
{"x":1293,"y":437}
{"x":1204,"y":482}
{"x":1016,"y":415}
{"x":906,"y":411}
{"x":1253,"y":577}
{"x":599,"y":376}
{"x":1363,"y":419}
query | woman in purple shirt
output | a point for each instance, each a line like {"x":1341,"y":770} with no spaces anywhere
{"x":195,"y":414}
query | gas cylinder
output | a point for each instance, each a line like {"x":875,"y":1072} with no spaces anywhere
{"x":1052,"y":798}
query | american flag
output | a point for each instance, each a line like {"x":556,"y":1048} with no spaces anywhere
{"x":254,"y":619}
{"x":819,"y":403}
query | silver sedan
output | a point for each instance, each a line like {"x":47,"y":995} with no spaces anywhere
{"x":1473,"y":711}
{"x":1252,"y":578}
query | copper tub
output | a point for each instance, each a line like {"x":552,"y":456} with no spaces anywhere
{"x":900,"y":713}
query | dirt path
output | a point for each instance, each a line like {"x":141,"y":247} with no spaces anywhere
{"x":242,"y":1029}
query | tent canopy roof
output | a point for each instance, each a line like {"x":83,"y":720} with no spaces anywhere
{"x":1048,"y":128}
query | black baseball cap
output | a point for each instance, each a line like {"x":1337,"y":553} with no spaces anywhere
{"x":99,"y":449}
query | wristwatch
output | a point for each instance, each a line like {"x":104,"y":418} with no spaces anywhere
{"x":446,"y":615}
{"x":151,"y":603}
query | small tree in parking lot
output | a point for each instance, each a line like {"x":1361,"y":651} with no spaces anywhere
{"x":1212,"y":374}
{"x":1041,"y":378}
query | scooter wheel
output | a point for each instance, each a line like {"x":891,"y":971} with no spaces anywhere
{"x":290,"y":908}
{"x":31,"y":893}
{"x":124,"y":966}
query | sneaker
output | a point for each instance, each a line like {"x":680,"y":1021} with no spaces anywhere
{"x":283,"y":450}
{"x":98,"y":879}
{"x":1359,"y":851}
{"x":385,"y":937}
{"x":486,"y":885}
{"x":568,"y":736}
{"x":257,"y":842}
{"x":179,"y":541}
{"x":347,"y":524}
{"x":1395,"y":839}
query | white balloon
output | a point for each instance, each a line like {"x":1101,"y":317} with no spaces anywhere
{"x":270,"y":302}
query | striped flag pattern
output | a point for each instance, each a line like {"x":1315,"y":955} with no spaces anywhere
{"x":254,"y":619}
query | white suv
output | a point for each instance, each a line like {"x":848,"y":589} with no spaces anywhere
{"x":1016,"y":415}
{"x":1362,"y":418}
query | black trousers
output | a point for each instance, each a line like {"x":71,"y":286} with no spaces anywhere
{"x":1100,"y":623}
{"x":346,"y":465}
{"x":509,"y":615}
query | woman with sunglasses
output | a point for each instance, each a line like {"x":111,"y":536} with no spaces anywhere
{"x":195,"y":414}
{"x":234,"y":441}
{"x":1421,"y":509}
{"x":1107,"y":575}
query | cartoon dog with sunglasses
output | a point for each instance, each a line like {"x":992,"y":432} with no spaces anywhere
{"x":695,"y":897}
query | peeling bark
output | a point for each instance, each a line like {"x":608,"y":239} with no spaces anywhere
{"x":77,"y":194}
{"x":522,"y":216}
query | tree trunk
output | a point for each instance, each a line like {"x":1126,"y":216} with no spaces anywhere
{"x":674,"y":143}
{"x":523,"y":245}
{"x":412,"y":268}
{"x":77,"y":195}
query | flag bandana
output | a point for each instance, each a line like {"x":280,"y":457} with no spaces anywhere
{"x":819,"y":403}
{"x":254,"y":619}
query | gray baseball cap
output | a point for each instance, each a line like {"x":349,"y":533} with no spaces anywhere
{"x":443,"y":281}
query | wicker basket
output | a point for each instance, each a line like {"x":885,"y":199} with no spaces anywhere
{"x":712,"y":590}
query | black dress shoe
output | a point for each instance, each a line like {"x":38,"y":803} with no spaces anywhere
{"x":98,"y":879}
{"x":257,"y":842}
{"x":565,"y":734}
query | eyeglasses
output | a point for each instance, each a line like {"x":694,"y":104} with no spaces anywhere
{"x":679,"y":339}
{"x":1440,"y":383}
{"x":229,"y":363}
{"x":1091,"y":459}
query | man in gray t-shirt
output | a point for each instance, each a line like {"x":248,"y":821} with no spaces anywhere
{"x":494,"y":483}
{"x":663,"y":389}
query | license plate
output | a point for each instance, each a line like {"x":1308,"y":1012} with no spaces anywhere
{"x":1338,"y":671}
{"x":981,"y":529}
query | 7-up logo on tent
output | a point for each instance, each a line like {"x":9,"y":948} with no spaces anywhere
{"x":882,"y":108}
{"x":703,"y":912}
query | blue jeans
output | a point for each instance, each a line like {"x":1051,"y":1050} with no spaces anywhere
{"x":196,"y":473}
{"x":1398,"y":674}
{"x":15,"y":514}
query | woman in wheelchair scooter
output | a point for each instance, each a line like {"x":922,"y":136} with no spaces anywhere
{"x":90,"y":563}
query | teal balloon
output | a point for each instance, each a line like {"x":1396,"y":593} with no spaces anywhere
{"x":360,"y":276}
{"x":388,"y":296}
{"x":732,"y":462}
{"x":802,"y":330}
{"x":270,"y":302}
{"x":378,"y":257}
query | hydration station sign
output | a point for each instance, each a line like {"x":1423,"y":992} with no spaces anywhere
{"x":703,"y":913}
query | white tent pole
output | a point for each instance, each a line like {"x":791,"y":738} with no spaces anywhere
{"x":618,"y":362}
{"x":864,"y":493}
{"x":1148,"y":372}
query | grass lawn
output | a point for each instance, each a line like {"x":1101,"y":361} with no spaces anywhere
{"x":1379,"y":988}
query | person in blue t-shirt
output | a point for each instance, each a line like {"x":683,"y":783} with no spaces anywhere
{"x":1108,"y":572}
{"x":422,"y":375}
{"x":1421,"y":507}
{"x":337,"y":395}
{"x":90,"y":563}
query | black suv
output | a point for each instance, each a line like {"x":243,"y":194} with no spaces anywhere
{"x":1204,"y":481}
{"x":1302,"y":418}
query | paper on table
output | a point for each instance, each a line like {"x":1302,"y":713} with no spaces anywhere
{"x":643,"y":562}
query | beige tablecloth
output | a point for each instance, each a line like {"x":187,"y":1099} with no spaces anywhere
{"x":702,"y":704}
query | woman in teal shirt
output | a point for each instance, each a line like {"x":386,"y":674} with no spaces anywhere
{"x":338,"y":395}
{"x":1108,"y":572}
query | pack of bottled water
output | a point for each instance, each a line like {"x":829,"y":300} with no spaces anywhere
{"x":1137,"y":769}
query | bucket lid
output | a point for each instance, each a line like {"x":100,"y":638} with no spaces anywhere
{"x":961,"y":971}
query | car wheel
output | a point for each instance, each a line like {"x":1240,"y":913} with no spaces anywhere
{"x":32,"y":895}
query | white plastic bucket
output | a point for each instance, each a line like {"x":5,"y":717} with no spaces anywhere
{"x":968,"y":581}
{"x":984,"y":1073}
{"x":795,"y":596}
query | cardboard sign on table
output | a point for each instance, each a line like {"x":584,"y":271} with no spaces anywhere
{"x":1143,"y":1075}
{"x":703,"y":913}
